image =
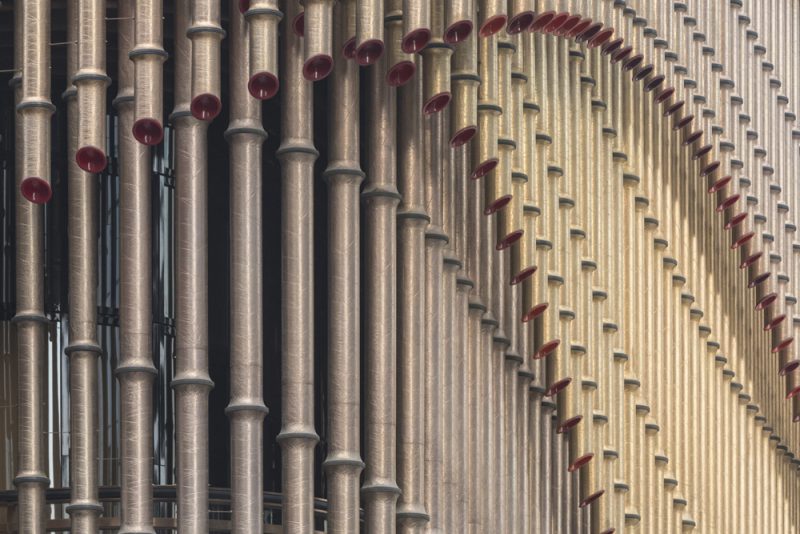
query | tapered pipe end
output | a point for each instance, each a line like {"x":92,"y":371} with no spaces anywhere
{"x":492,"y":25}
{"x":523,"y":275}
{"x":766,"y":301}
{"x":541,"y":20}
{"x":299,"y":24}
{"x":317,"y":67}
{"x":91,"y":159}
{"x":349,"y":48}
{"x":484,"y":168}
{"x":750,"y":260}
{"x":206,"y":107}
{"x":611,"y":530}
{"x":400,"y":73}
{"x":263,"y":85}
{"x":791,"y":366}
{"x":463,"y":136}
{"x":758,"y":279}
{"x":571,"y":27}
{"x":621,"y":54}
{"x":244,"y":5}
{"x":735,"y":220}
{"x":663,"y":95}
{"x":775,"y":322}
{"x":612,"y":46}
{"x":415,"y":40}
{"x":535,"y":312}
{"x":35,"y":190}
{"x":148,"y":131}
{"x":589,"y":33}
{"x":792,"y":394}
{"x":557,"y":387}
{"x":728,"y":202}
{"x":782,"y":345}
{"x":742,"y":240}
{"x":520,"y":22}
{"x":547,"y":349}
{"x":591,"y":498}
{"x":510,"y":239}
{"x":497,"y":204}
{"x":567,"y":425}
{"x":580,"y":462}
{"x":369,"y":52}
{"x":601,"y":38}
{"x":436,"y":103}
{"x":458,"y":31}
{"x":718,"y":185}
{"x":556,"y":22}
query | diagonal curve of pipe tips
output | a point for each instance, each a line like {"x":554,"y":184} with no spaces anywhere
{"x":552,"y":243}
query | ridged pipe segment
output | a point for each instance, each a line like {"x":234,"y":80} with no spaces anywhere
{"x":246,"y":409}
{"x":458,"y":18}
{"x":464,"y":82}
{"x":148,"y":56}
{"x":436,"y":65}
{"x":297,"y":155}
{"x":206,"y":34}
{"x":343,"y":463}
{"x":369,"y":31}
{"x":381,"y":197}
{"x":318,"y":39}
{"x":416,"y":25}
{"x":484,"y":144}
{"x":400,"y":67}
{"x":262,"y":17}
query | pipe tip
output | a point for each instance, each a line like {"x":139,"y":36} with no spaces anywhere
{"x":742,"y":240}
{"x":523,"y":275}
{"x":457,"y":32}
{"x":91,"y":159}
{"x":369,"y":52}
{"x":589,"y":33}
{"x":206,"y":107}
{"x":263,"y":85}
{"x":791,"y":366}
{"x":728,"y":202}
{"x":415,"y":40}
{"x":148,"y":131}
{"x":580,"y":462}
{"x":436,"y":103}
{"x":750,"y":260}
{"x":758,"y":279}
{"x":556,"y":22}
{"x":591,"y":498}
{"x":299,"y":24}
{"x":317,"y":67}
{"x":653,"y":83}
{"x":244,"y":5}
{"x":349,"y":48}
{"x":509,"y":240}
{"x":611,"y":530}
{"x":791,"y":394}
{"x":401,"y":73}
{"x":484,"y":168}
{"x":567,"y":425}
{"x":735,"y":220}
{"x":663,"y":95}
{"x":775,"y":322}
{"x":632,"y":63}
{"x":719,"y":184}
{"x":35,"y":190}
{"x":612,"y":46}
{"x":535,"y":312}
{"x":462,"y":136}
{"x":766,"y":301}
{"x":492,"y":25}
{"x":674,"y":107}
{"x":571,"y":24}
{"x":547,"y":349}
{"x":541,"y":20}
{"x":601,"y":38}
{"x":497,"y":204}
{"x":621,"y":54}
{"x":557,"y":387}
{"x":520,"y":22}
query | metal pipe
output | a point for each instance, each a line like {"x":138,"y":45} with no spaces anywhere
{"x":135,"y":370}
{"x":464,"y":82}
{"x":416,"y":25}
{"x":318,"y":35}
{"x":206,"y":35}
{"x":148,"y":57}
{"x":343,"y":463}
{"x":492,"y":17}
{"x":458,"y":21}
{"x":369,"y":31}
{"x":262,"y":18}
{"x":380,"y":490}
{"x":297,"y":154}
{"x":400,"y":67}
{"x":436,"y":65}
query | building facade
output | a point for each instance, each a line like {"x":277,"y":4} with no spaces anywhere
{"x":484,"y":266}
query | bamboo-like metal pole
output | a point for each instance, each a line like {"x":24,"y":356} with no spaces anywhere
{"x":380,"y":490}
{"x":148,"y":58}
{"x":343,"y":463}
{"x":318,"y":35}
{"x":246,"y":409}
{"x":369,"y":31}
{"x":191,"y":382}
{"x":436,"y":65}
{"x":297,"y":155}
{"x":458,"y":21}
{"x":83,"y":349}
{"x":416,"y":25}
{"x":399,"y":66}
{"x":205,"y":34}
{"x":135,"y":370}
{"x":262,"y":18}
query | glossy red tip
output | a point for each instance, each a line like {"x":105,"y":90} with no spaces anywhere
{"x":369,"y":52}
{"x":349,"y":48}
{"x":774,"y":322}
{"x":462,"y":136}
{"x":546,"y":349}
{"x":633,"y":62}
{"x":415,"y":40}
{"x":736,"y":219}
{"x":601,"y":38}
{"x":492,"y":25}
{"x":484,"y":168}
{"x":691,"y":138}
{"x":318,"y":67}
{"x":91,"y":159}
{"x":782,"y":345}
{"x":790,"y":395}
{"x":591,"y":498}
{"x":702,"y":151}
{"x":719,"y":184}
{"x":556,"y":22}
{"x":299,"y":24}
{"x":557,"y":387}
{"x":509,"y":240}
{"x":758,"y":279}
{"x":611,"y":530}
{"x":728,"y":202}
{"x":684,"y":122}
{"x":791,"y":366}
{"x":535,"y":312}
{"x":766,"y":301}
{"x":674,"y":107}
{"x":148,"y":131}
{"x":569,"y":25}
{"x":523,"y":275}
{"x":458,"y":31}
{"x":244,"y":5}
{"x":541,"y":20}
{"x":263,"y":85}
{"x":621,"y":54}
{"x":520,"y":22}
{"x":436,"y":103}
{"x":580,"y":462}
{"x":742,"y":240}
{"x":663,"y":96}
{"x":206,"y":107}
{"x":401,"y":73}
{"x":497,"y":205}
{"x":612,"y":46}
{"x":710,"y":168}
{"x":567,"y":425}
{"x":751,"y":260}
{"x":35,"y":190}
{"x":589,"y":33}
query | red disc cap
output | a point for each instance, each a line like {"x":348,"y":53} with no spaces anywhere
{"x":436,"y":103}
{"x":571,"y":26}
{"x":535,"y":312}
{"x":591,"y":498}
{"x":91,"y":159}
{"x":263,"y":85}
{"x":556,"y":22}
{"x":520,"y":22}
{"x":492,"y":25}
{"x":458,"y":31}
{"x":369,"y":52}
{"x":567,"y":425}
{"x":601,"y":38}
{"x":766,"y":301}
{"x":790,"y":367}
{"x":557,"y":387}
{"x":523,"y":275}
{"x":736,"y":219}
{"x":206,"y":107}
{"x":497,"y":205}
{"x":462,"y":136}
{"x":318,"y":67}
{"x":580,"y":462}
{"x":775,"y":322}
{"x":547,"y":349}
{"x":244,"y":5}
{"x":299,"y":24}
{"x":484,"y":168}
{"x":148,"y":131}
{"x":509,"y":240}
{"x":349,"y":48}
{"x":401,"y":73}
{"x":719,"y":184}
{"x":415,"y":40}
{"x":664,"y":95}
{"x":779,"y":347}
{"x":541,"y":20}
{"x":35,"y":190}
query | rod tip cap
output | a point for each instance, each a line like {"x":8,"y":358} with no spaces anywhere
{"x":510,"y":239}
{"x":436,"y":103}
{"x":369,"y":52}
{"x":299,"y":24}
{"x":415,"y":40}
{"x":263,"y":85}
{"x":492,"y":25}
{"x":317,"y":67}
{"x":35,"y":190}
{"x":148,"y":131}
{"x":206,"y":107}
{"x":520,"y":22}
{"x":463,"y":136}
{"x":458,"y":31}
{"x":91,"y":159}
{"x":401,"y":73}
{"x":484,"y":168}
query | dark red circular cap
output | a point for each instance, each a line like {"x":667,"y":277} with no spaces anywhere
{"x":524,"y":274}
{"x":349,"y":48}
{"x":742,"y":240}
{"x":736,"y":219}
{"x":779,"y":347}
{"x":436,"y":103}
{"x":691,"y":138}
{"x":778,"y":319}
{"x":556,"y":22}
{"x":791,"y":394}
{"x":546,"y":349}
{"x":535,"y":312}
{"x":751,"y":260}
{"x":462,"y":136}
{"x":591,"y":498}
{"x":509,"y":240}
{"x":318,"y":67}
{"x":674,"y":107}
{"x":567,"y":425}
{"x":719,"y":184}
{"x":569,"y":25}
{"x":601,"y":38}
{"x":589,"y":32}
{"x":684,"y":122}
{"x":520,"y":22}
{"x":299,"y":24}
{"x":612,"y":46}
{"x":633,"y":62}
{"x":401,"y":73}
{"x":728,"y":202}
{"x":541,"y":20}
{"x":369,"y":52}
{"x":244,"y":5}
{"x":758,"y":279}
{"x":484,"y":168}
{"x":415,"y":40}
{"x":206,"y":107}
{"x":492,"y":25}
{"x":621,"y":54}
{"x":611,"y":530}
{"x":263,"y":85}
{"x":557,"y":387}
{"x":497,"y":205}
{"x":790,"y":366}
{"x":663,"y":96}
{"x":710,"y":168}
{"x":766,"y":301}
{"x":580,"y":462}
{"x":458,"y":31}
{"x":35,"y":190}
{"x":91,"y":159}
{"x":148,"y":131}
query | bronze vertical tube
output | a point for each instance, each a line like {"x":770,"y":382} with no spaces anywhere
{"x":399,"y":65}
{"x":148,"y":58}
{"x":262,"y":18}
{"x":205,"y":33}
{"x":369,"y":31}
{"x":318,"y":36}
{"x":416,"y":25}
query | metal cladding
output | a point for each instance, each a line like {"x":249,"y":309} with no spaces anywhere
{"x":538,"y":266}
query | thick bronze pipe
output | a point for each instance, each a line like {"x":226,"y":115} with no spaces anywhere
{"x":492,"y":17}
{"x":416,"y":25}
{"x":91,"y":82}
{"x":380,"y":490}
{"x":83,"y":348}
{"x":191,"y":381}
{"x":464,"y":81}
{"x":436,"y":65}
{"x":317,"y":36}
{"x":148,"y":58}
{"x":400,"y":67}
{"x":206,"y":34}
{"x":297,"y":155}
{"x":262,"y":17}
{"x":343,"y":463}
{"x":522,"y":14}
{"x":458,"y":20}
{"x":369,"y":31}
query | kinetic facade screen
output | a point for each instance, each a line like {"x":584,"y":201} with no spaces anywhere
{"x":399,"y":266}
